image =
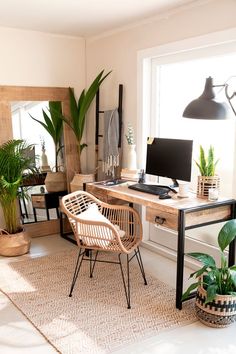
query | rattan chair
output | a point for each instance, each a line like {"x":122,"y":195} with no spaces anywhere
{"x":98,"y":226}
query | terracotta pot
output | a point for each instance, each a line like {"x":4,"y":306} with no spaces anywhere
{"x":79,"y":179}
{"x":14,"y":244}
{"x":55,"y":182}
{"x":221,"y":312}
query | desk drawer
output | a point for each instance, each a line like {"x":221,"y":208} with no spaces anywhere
{"x":162,"y":218}
{"x":38,"y":201}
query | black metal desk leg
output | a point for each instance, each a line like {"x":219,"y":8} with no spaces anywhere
{"x":35,"y":217}
{"x":232,"y":245}
{"x":47,"y":212}
{"x":180,"y":259}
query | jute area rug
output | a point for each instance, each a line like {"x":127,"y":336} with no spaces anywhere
{"x":95,"y":319}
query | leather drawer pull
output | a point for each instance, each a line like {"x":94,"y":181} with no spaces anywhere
{"x":159,"y":220}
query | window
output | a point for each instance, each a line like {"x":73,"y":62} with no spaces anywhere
{"x":174,"y":86}
{"x":170,"y":76}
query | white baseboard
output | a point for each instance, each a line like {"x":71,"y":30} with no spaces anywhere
{"x":191,"y":245}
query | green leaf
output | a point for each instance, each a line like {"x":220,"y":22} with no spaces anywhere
{"x":227,"y":234}
{"x":189,"y":290}
{"x":211,"y":293}
{"x":199,"y":272}
{"x":204,"y":258}
{"x":233,"y":276}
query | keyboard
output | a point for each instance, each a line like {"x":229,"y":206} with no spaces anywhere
{"x":151,"y":188}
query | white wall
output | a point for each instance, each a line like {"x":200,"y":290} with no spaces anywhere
{"x":37,"y":59}
{"x":118,"y":51}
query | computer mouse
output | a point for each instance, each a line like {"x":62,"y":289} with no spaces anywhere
{"x":164,"y":196}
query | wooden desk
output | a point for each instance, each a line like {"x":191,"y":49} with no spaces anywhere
{"x":176,"y":214}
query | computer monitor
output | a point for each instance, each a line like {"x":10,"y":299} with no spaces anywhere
{"x":170,"y":158}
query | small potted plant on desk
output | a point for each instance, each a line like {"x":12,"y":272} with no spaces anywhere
{"x":14,"y":241}
{"x":216,"y":286}
{"x":208,"y":178}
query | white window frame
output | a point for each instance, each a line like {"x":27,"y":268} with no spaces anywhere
{"x":208,"y":45}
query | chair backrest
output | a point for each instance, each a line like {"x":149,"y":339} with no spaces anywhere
{"x":98,"y":225}
{"x":90,"y":226}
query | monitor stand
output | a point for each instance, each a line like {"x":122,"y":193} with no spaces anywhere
{"x":175,"y":183}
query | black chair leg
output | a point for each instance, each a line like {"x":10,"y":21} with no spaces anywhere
{"x":92,"y":263}
{"x":126,"y":287}
{"x":140,"y":262}
{"x":77,"y":269}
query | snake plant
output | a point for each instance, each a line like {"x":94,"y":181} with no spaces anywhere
{"x":207,"y":164}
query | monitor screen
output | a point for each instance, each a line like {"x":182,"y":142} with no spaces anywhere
{"x":170,"y":158}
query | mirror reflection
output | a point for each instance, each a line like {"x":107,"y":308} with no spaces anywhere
{"x":33,"y":208}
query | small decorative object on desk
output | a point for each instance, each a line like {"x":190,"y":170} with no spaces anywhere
{"x":131,"y":157}
{"x":213,"y":194}
{"x":208,"y":178}
{"x":141,"y":176}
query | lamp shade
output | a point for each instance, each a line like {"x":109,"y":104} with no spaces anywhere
{"x":206,"y":107}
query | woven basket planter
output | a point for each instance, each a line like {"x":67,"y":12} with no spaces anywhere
{"x":79,"y":179}
{"x":14,"y":244}
{"x":219,"y":313}
{"x":206,"y":182}
{"x":55,"y":181}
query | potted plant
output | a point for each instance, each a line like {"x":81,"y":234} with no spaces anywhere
{"x":208,"y":179}
{"x":78,"y":112}
{"x":13,"y":163}
{"x":216,"y":294}
{"x":53,"y":123}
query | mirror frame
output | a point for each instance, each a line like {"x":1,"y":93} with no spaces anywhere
{"x":9,"y":94}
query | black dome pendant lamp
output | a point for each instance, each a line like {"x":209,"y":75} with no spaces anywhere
{"x":206,"y":107}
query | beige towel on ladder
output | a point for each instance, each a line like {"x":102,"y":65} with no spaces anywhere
{"x":110,"y":142}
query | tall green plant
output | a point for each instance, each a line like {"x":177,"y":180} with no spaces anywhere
{"x":53,"y":124}
{"x":216,"y":281}
{"x":79,"y":109}
{"x":207,"y":164}
{"x":13,"y":163}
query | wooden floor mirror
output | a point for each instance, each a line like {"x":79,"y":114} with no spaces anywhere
{"x":10,"y":94}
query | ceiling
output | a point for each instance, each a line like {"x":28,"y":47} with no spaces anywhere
{"x":83,"y":18}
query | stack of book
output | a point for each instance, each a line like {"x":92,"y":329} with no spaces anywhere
{"x":132,"y":175}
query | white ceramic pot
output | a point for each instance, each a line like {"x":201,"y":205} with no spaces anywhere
{"x":131,"y":157}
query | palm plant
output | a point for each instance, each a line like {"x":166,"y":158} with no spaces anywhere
{"x":216,"y":281}
{"x":53,"y":124}
{"x":78,"y":110}
{"x":207,"y":164}
{"x":13,"y":162}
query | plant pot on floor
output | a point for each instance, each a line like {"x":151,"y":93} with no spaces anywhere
{"x":14,"y":244}
{"x":79,"y":179}
{"x":205,"y":183}
{"x":221,"y":312}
